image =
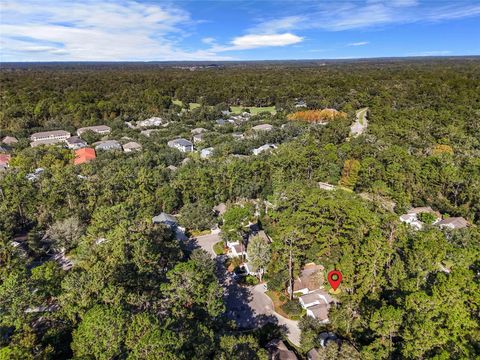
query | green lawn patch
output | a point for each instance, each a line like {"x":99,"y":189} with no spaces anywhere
{"x":219,"y":248}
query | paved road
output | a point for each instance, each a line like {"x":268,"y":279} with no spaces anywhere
{"x":206,"y":242}
{"x":360,"y":124}
{"x":249,"y":306}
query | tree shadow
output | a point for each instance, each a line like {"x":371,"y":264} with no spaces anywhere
{"x":238,"y":299}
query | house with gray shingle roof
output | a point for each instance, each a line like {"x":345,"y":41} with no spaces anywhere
{"x":182,"y":145}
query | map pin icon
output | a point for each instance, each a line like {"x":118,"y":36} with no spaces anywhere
{"x":334,"y":278}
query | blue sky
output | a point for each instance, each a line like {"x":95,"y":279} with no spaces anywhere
{"x":136,"y":30}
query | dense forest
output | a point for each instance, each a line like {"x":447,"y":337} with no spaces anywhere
{"x":136,"y":292}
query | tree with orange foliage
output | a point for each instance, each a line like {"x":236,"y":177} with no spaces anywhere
{"x":316,"y":116}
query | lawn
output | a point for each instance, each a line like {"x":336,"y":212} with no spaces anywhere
{"x":191,"y":105}
{"x":219,"y":248}
{"x":254,"y":110}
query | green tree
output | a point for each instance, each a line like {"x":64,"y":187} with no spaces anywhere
{"x":101,"y":334}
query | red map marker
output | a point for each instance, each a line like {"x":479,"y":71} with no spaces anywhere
{"x":334,"y":278}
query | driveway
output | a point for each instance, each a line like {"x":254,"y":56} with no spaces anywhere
{"x":248,"y":306}
{"x":206,"y":242}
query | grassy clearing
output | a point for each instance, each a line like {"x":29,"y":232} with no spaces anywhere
{"x":218,"y":248}
{"x":361,"y":116}
{"x":254,"y":110}
{"x":190,"y":105}
{"x":278,"y":300}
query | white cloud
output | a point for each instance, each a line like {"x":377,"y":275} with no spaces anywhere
{"x":92,"y":30}
{"x":253,"y":41}
{"x":341,"y":16}
{"x":208,"y":40}
{"x":278,"y":25}
{"x":360,"y":43}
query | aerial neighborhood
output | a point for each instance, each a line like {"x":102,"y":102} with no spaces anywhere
{"x":240,"y":211}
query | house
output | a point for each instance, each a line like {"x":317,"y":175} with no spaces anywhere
{"x":236,"y":249}
{"x":206,"y":153}
{"x":198,"y":138}
{"x":153,"y":121}
{"x":148,"y":132}
{"x":132,"y":146}
{"x":220,"y":209}
{"x":59,"y":135}
{"x":165,"y":219}
{"x":316,"y":297}
{"x":84,"y":155}
{"x":182,"y":145}
{"x":46,"y":142}
{"x":300,"y":104}
{"x":221,"y":122}
{"x":9,"y":140}
{"x":35,"y":175}
{"x":262,"y":127}
{"x":310,"y":279}
{"x":99,"y":129}
{"x":75,"y":142}
{"x":198,"y":131}
{"x":411,"y":217}
{"x":453,"y":223}
{"x":326,"y":186}
{"x":317,"y":304}
{"x":263,"y":148}
{"x":4,"y":161}
{"x":171,"y":222}
{"x":277,"y":350}
{"x":4,"y":149}
{"x":324,"y":338}
{"x":172,"y":168}
{"x":107,"y":145}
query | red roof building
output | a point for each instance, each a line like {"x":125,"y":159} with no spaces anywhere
{"x":4,"y":160}
{"x":84,"y":155}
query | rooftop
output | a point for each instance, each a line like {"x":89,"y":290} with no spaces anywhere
{"x":454,"y":222}
{"x":180,"y":142}
{"x":263,"y":127}
{"x":50,"y":133}
{"x":163,"y":218}
{"x":310,"y":278}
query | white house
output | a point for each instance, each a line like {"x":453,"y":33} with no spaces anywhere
{"x":50,"y":135}
{"x":198,"y":138}
{"x":181,"y":144}
{"x":132,"y":146}
{"x":108,"y":145}
{"x":317,"y":304}
{"x":453,"y":223}
{"x":266,"y":147}
{"x":411,"y":217}
{"x":99,"y":129}
{"x":153,"y":121}
{"x":74,"y":143}
{"x":206,"y":153}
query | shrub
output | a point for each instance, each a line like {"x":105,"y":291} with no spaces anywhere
{"x":251,"y":280}
{"x":426,"y":217}
{"x":293,"y":309}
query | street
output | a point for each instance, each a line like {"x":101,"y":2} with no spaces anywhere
{"x":249,"y":306}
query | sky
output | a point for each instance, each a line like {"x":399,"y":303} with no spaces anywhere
{"x":137,"y":30}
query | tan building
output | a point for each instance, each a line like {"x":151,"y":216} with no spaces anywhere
{"x":59,"y":135}
{"x":99,"y":129}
